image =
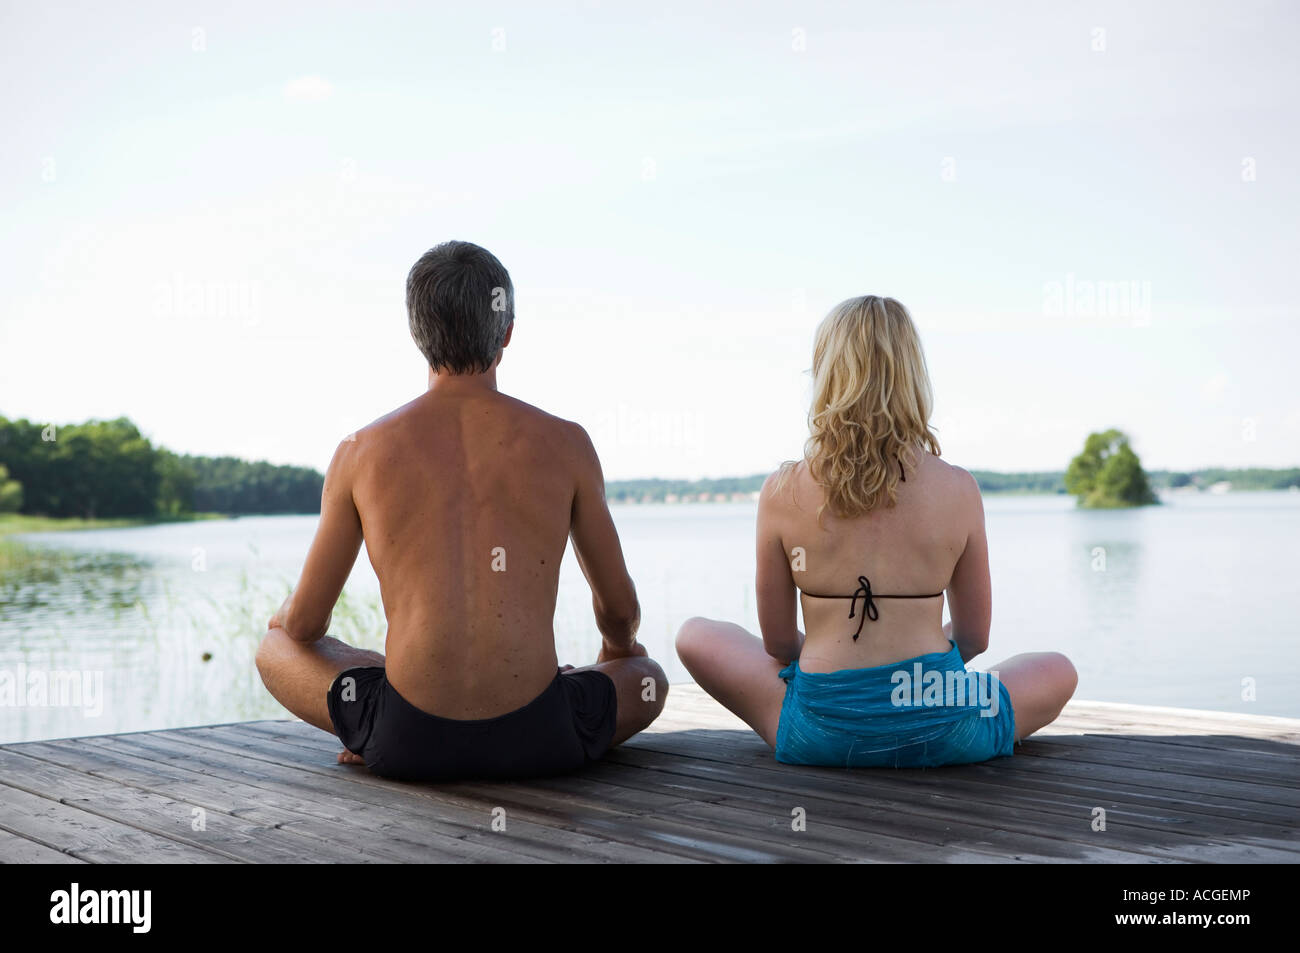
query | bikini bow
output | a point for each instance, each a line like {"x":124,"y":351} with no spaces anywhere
{"x":869,"y":610}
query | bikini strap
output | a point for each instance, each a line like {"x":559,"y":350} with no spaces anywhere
{"x":869,"y":609}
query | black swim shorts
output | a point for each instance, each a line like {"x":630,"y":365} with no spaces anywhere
{"x":567,"y":726}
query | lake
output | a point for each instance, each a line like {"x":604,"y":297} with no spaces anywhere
{"x":1191,"y":604}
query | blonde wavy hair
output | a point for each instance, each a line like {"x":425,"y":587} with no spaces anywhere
{"x":871,"y":405}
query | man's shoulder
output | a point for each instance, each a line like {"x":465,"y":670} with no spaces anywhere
{"x":378,"y":428}
{"x":381,"y":434}
{"x":561,"y":433}
{"x":560,"y":436}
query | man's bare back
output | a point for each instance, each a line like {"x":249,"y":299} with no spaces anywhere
{"x":465,"y":499}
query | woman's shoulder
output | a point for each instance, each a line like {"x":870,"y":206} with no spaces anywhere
{"x":955,"y":482}
{"x":784,"y":476}
{"x":781,"y":486}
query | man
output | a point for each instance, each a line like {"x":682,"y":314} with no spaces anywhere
{"x":466,"y":499}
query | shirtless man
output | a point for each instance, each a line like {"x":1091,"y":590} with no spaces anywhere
{"x":466,"y":499}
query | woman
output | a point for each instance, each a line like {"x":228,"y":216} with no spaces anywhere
{"x":870,"y":529}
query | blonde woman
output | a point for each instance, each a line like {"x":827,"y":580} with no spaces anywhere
{"x":871,"y":529}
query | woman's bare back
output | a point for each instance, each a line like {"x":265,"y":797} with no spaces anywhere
{"x":913,"y":548}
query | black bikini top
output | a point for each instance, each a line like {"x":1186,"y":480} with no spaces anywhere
{"x":869,"y":610}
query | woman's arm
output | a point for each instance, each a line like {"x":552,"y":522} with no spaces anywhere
{"x":778,"y":619}
{"x":970,"y":593}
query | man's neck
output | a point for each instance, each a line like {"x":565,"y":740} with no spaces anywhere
{"x":445,"y":383}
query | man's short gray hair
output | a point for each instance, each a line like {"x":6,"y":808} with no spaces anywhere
{"x":460,"y":304}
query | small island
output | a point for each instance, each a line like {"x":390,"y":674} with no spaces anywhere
{"x":1108,"y":474}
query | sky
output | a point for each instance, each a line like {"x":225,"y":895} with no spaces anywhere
{"x":1090,"y":210}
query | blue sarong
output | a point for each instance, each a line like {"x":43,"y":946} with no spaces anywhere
{"x":922,"y":712}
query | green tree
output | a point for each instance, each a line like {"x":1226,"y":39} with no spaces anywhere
{"x":97,"y":468}
{"x":105,"y":468}
{"x":11,"y":492}
{"x":1108,"y":473}
{"x":176,"y":480}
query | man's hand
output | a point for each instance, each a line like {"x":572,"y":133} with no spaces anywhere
{"x":281,"y":618}
{"x":277,"y":620}
{"x":609,"y":652}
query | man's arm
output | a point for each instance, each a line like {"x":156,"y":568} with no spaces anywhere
{"x":305,"y":615}
{"x":595,"y":543}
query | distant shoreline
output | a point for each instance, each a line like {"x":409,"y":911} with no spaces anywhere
{"x":14,"y":523}
{"x":1046,"y":483}
{"x":746,"y":490}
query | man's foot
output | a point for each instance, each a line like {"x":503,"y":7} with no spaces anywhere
{"x":348,"y":757}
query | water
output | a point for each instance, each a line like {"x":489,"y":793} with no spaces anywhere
{"x":1188,"y":605}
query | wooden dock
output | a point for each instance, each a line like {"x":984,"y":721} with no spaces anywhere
{"x":1174,"y":785}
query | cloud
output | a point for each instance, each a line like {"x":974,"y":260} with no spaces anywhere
{"x":308,"y":89}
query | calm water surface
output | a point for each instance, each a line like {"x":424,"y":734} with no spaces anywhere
{"x":1178,"y":605}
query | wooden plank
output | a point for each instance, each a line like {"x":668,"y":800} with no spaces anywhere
{"x":225,"y":835}
{"x":1279,"y":767}
{"x":580,"y":797}
{"x":875,"y":845}
{"x":842,"y":833}
{"x":944,"y":827}
{"x":1187,"y":719}
{"x":944,"y":821}
{"x":527,"y":833}
{"x":15,"y":849}
{"x":88,"y":836}
{"x":1054,"y":805}
{"x":725,"y":839}
{"x":622,"y":830}
{"x":580,"y":801}
{"x":373,"y":815}
{"x":1255,"y":797}
{"x":698,"y":786}
{"x":744,"y":748}
{"x":1067,"y":819}
{"x":1021,"y":772}
{"x":1055,"y":783}
{"x":945,"y":818}
{"x":528,"y":800}
{"x":112,"y":759}
{"x":1220,"y":738}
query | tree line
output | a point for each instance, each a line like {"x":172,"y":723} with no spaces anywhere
{"x":107,"y":468}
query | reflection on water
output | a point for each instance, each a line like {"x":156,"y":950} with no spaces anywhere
{"x":1174,"y":605}
{"x":35,"y":579}
{"x":166,"y":618}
